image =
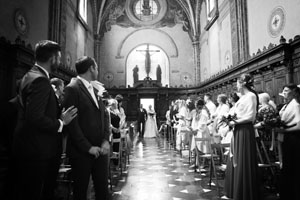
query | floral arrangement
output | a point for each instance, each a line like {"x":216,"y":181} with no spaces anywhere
{"x":276,"y":122}
{"x":227,"y":119}
{"x":100,"y":87}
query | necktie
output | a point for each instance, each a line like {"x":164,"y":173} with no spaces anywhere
{"x":91,"y":91}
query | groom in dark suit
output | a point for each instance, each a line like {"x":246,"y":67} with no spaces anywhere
{"x":37,"y":142}
{"x":141,"y":118}
{"x":88,"y":134}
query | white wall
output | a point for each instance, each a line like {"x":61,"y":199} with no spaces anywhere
{"x":215,"y":44}
{"x":172,"y":40}
{"x":258,"y":17}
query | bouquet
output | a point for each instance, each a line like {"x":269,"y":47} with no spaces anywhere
{"x":227,"y":119}
{"x":277,"y":122}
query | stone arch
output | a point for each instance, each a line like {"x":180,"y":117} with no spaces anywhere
{"x":169,"y":46}
{"x":166,"y":69}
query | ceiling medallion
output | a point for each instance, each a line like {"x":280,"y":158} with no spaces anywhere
{"x":276,"y":21}
{"x":145,"y":12}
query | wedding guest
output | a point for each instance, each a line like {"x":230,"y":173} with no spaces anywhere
{"x":199,"y":126}
{"x":59,"y":86}
{"x":37,"y":142}
{"x":222,"y":110}
{"x":226,"y":136}
{"x":228,"y":184}
{"x":122,"y":114}
{"x":168,"y":121}
{"x":246,"y":182}
{"x":265,"y":118}
{"x":209,"y":104}
{"x":182,"y":125}
{"x":290,"y":116}
{"x":88,"y":134}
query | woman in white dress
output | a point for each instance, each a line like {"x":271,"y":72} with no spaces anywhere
{"x":182,"y":126}
{"x":222,"y":110}
{"x":150,"y":125}
{"x":200,"y":119}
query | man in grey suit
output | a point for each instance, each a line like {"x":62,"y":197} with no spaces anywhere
{"x":88,"y":134}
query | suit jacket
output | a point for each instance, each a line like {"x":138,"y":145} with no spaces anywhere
{"x":36,"y":135}
{"x":90,"y":127}
{"x":142,"y":115}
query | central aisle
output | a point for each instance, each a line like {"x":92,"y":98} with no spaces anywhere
{"x":156,"y":172}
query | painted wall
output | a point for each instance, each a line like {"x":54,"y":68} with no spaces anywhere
{"x":119,"y":42}
{"x":259,"y":13}
{"x":215,"y":44}
{"x":79,"y":38}
{"x":36,"y":12}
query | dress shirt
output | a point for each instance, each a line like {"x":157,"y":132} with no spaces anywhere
{"x":90,"y":88}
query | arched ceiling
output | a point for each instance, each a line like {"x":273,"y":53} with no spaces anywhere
{"x":110,"y":12}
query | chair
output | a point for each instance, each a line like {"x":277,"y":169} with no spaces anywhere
{"x":172,"y":137}
{"x":218,"y":149}
{"x":207,"y":155}
{"x":125,"y":138}
{"x":115,"y":156}
{"x":271,"y":168}
{"x":187,"y":147}
{"x":64,"y":177}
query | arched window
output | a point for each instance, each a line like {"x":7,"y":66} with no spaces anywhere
{"x":139,"y":65}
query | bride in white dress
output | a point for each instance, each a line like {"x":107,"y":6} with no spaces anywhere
{"x":150,"y":125}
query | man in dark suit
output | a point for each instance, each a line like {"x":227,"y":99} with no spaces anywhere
{"x":141,"y":118}
{"x":88,"y":134}
{"x":37,"y":139}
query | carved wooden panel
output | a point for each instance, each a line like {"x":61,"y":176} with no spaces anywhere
{"x":269,"y":87}
{"x":258,"y":86}
{"x":279,"y":83}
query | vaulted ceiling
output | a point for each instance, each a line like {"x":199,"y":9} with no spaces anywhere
{"x":108,"y":12}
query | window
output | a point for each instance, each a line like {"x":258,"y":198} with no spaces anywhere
{"x":146,"y":10}
{"x":212,"y":12}
{"x":137,"y":61}
{"x":83,"y":10}
{"x":210,"y":5}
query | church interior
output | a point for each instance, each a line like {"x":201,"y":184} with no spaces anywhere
{"x":155,"y":52}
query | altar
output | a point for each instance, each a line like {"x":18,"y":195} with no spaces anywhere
{"x":147,"y":82}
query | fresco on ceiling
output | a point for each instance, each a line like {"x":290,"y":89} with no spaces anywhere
{"x":118,"y":16}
